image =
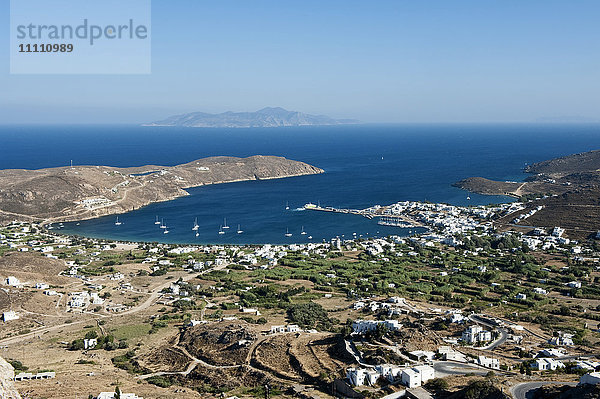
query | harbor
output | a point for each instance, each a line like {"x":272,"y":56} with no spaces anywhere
{"x":377,"y":211}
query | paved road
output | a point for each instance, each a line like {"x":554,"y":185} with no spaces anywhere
{"x":525,"y":390}
{"x":445,"y":369}
{"x":503,"y":332}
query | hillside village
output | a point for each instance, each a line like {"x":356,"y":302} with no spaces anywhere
{"x":421,"y":315}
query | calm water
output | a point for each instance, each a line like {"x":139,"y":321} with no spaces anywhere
{"x":365,"y":165}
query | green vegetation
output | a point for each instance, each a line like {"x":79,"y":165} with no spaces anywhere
{"x":482,"y":389}
{"x":161,"y":381}
{"x":309,"y":315}
{"x":106,"y":342}
{"x":128,"y":362}
{"x":131,"y":331}
{"x":437,"y":384}
{"x":17,"y":365}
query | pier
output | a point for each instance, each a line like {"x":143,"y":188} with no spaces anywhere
{"x":361,"y":212}
{"x":370,"y":213}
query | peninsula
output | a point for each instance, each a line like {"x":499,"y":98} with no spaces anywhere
{"x":562,"y":192}
{"x":84,"y":192}
{"x":266,"y":117}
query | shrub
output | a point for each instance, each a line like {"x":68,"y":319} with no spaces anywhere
{"x":160,"y":381}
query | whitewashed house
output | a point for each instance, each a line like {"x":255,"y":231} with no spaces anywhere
{"x":10,"y":315}
{"x":13,"y":281}
{"x":411,"y":378}
{"x":547,"y":364}
{"x":488,"y":362}
{"x":474,"y":334}
{"x":90,"y":343}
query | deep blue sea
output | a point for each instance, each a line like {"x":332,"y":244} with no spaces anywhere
{"x":365,"y":165}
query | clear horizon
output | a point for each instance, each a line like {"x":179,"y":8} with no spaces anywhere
{"x":384,"y":62}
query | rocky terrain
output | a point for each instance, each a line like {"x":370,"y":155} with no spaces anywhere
{"x":233,"y":353}
{"x":227,"y":345}
{"x":582,"y":162}
{"x":567,"y":392}
{"x":567,"y":189}
{"x":555,"y":176}
{"x":83,"y":192}
{"x":7,"y":387}
{"x":266,"y":117}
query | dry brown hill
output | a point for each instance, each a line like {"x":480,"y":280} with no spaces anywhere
{"x":84,"y":192}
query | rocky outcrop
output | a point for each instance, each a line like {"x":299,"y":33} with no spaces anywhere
{"x":582,"y":162}
{"x":7,"y":387}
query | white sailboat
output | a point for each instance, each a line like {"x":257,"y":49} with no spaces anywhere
{"x":287,"y":206}
{"x":287,"y":233}
{"x":225,"y":223}
{"x":157,"y":222}
{"x":221,"y":230}
{"x":195,"y":228}
{"x":162,"y":224}
{"x":310,"y":237}
{"x":166,"y":230}
{"x":239,"y":230}
{"x":197,"y":234}
{"x":303,"y":232}
{"x":117,"y":223}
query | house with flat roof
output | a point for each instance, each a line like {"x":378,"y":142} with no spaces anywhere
{"x":10,"y":315}
{"x":547,"y":364}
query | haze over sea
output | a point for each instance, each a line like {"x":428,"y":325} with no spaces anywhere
{"x":365,"y":165}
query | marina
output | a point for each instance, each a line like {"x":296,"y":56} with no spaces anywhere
{"x":396,"y":220}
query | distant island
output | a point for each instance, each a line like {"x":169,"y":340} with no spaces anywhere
{"x":84,"y":192}
{"x":266,"y":117}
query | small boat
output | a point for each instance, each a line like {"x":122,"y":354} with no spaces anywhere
{"x":468,"y":198}
{"x":287,"y":233}
{"x":162,"y":224}
{"x":156,"y":222}
{"x":195,"y":228}
{"x":221,"y":230}
{"x":303,"y":232}
{"x":239,"y":230}
{"x":287,"y":206}
{"x":225,"y":224}
{"x":197,"y":234}
{"x":166,"y":231}
{"x":117,"y":223}
{"x":310,"y":237}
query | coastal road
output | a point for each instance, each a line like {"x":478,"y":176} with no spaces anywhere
{"x":448,"y":368}
{"x":525,"y":390}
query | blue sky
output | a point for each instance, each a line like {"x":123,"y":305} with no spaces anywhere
{"x":378,"y":61}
